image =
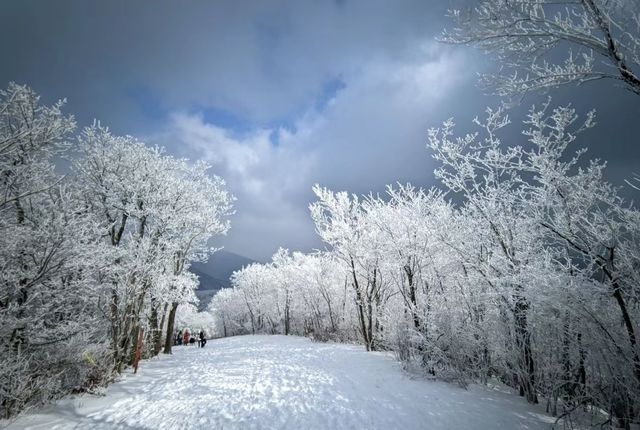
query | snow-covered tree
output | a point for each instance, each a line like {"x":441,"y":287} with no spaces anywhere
{"x":527,"y":276}
{"x":92,"y":260}
{"x":345,"y":225}
{"x":157,"y":215}
{"x":546,"y":43}
{"x":562,"y":240}
{"x":47,"y":316}
{"x":199,"y":211}
{"x":302,"y":294}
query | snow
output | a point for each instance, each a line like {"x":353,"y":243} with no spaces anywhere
{"x":283,"y":382}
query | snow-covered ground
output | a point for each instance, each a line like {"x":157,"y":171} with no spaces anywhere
{"x":278,"y":382}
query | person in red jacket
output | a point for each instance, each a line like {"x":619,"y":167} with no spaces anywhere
{"x":186,"y":337}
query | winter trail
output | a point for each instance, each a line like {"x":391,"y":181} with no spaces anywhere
{"x":278,"y":382}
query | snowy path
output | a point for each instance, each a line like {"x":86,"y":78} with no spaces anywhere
{"x":277,"y":382}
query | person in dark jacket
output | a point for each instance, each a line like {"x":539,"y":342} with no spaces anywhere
{"x":203,"y":340}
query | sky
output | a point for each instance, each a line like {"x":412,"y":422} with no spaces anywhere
{"x":281,"y":95}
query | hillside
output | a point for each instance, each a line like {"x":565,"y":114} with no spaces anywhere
{"x":221,"y":265}
{"x":215,"y":273}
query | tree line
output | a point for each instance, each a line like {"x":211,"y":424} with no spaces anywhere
{"x":522,"y":268}
{"x":94,"y":259}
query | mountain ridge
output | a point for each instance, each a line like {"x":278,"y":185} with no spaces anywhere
{"x":215,"y":273}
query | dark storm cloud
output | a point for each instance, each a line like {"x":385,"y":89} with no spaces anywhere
{"x":261,"y":60}
{"x":278,"y":95}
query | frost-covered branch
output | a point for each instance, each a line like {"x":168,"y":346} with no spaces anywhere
{"x":543,"y":44}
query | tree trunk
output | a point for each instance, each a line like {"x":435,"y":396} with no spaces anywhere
{"x":287,"y":320}
{"x":153,"y":324}
{"x":523,"y":342}
{"x":135,"y":335}
{"x":157,"y":342}
{"x":361,"y":313}
{"x":124,"y":340}
{"x":412,"y":297}
{"x":370,"y":347}
{"x":609,"y":271}
{"x":168,"y":343}
{"x":630,"y":330}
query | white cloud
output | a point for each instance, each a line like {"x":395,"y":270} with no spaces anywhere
{"x":371,"y":133}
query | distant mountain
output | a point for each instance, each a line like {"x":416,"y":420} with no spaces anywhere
{"x":214,"y":274}
{"x":222,"y":264}
{"x":204,"y":298}
{"x":208,"y":282}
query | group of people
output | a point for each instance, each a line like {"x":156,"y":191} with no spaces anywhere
{"x":185,"y":338}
